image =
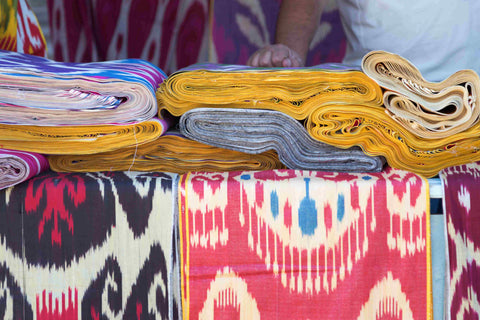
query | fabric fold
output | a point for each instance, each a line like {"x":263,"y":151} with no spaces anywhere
{"x":80,"y":139}
{"x":43,"y":92}
{"x":295,"y":91}
{"x":255,"y":130}
{"x":344,"y":107}
{"x":18,"y":166}
{"x":171,"y":152}
{"x":430,"y":110}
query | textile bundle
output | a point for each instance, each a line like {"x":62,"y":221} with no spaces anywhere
{"x":43,"y":92}
{"x":262,"y":245}
{"x":424,"y":128}
{"x":295,"y":92}
{"x":171,"y":152}
{"x":462,"y":215}
{"x":18,"y":166}
{"x":80,"y":139}
{"x":255,"y":130}
{"x":89,"y":246}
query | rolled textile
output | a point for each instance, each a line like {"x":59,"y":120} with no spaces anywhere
{"x":461,"y":186}
{"x":18,"y":166}
{"x":420,"y":138}
{"x":39,"y":91}
{"x":306,"y":244}
{"x":80,"y":139}
{"x":295,"y":91}
{"x":171,"y":152}
{"x":430,"y":110}
{"x":255,"y":130}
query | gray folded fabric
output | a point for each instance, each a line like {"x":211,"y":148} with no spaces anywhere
{"x":254,"y":131}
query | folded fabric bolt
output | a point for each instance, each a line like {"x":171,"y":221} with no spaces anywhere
{"x":255,"y":130}
{"x":39,"y":91}
{"x":429,"y":110}
{"x":19,"y":166}
{"x":263,"y":245}
{"x":424,"y":127}
{"x":295,"y":91}
{"x":462,"y":219}
{"x":171,"y":152}
{"x":80,"y":139}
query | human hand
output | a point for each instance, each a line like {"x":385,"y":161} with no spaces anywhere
{"x":277,"y":55}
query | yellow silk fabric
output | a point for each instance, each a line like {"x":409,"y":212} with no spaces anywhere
{"x":78,"y":139}
{"x":296,"y":92}
{"x":393,"y":112}
{"x":168,"y":153}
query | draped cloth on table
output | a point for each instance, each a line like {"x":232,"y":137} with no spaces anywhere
{"x":462,"y":220}
{"x":255,"y":130}
{"x":44,"y":92}
{"x":18,"y":166}
{"x":96,"y":246}
{"x":80,"y":139}
{"x":171,"y":152}
{"x":261,"y":245}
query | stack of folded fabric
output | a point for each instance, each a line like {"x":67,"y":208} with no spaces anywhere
{"x":20,"y":32}
{"x":50,"y":107}
{"x":18,"y":166}
{"x":255,"y":130}
{"x":172,"y":152}
{"x":297,"y":93}
{"x":424,"y":126}
{"x":416,"y":125}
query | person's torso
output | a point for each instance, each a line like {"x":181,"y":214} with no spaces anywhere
{"x":440,"y":37}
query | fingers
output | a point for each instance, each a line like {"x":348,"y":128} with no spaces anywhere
{"x":277,"y":55}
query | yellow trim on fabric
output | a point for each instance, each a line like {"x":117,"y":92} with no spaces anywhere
{"x":429,"y":256}
{"x":184,"y":270}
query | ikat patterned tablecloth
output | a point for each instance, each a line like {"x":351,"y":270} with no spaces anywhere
{"x":304,"y":245}
{"x":89,"y":246}
{"x":462,"y":214}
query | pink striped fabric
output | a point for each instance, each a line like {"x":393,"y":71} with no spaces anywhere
{"x":18,"y":166}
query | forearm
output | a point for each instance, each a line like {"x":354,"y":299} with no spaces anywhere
{"x":297,"y":22}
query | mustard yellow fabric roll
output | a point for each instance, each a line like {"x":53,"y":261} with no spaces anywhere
{"x":168,"y":153}
{"x":423,"y":127}
{"x":79,"y":139}
{"x":295,"y":92}
{"x":388,"y":110}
